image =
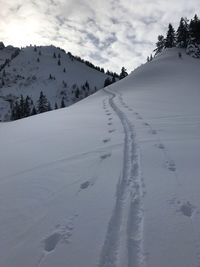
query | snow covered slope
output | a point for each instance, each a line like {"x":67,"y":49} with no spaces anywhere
{"x":48,"y":69}
{"x":111,"y":181}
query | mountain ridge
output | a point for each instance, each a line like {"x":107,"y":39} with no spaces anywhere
{"x":62,"y":77}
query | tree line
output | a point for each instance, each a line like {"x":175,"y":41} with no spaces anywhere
{"x":91,"y":65}
{"x":187,"y":33}
{"x":109,"y":81}
{"x":24,"y":106}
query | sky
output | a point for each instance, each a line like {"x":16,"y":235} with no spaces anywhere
{"x":109,"y":33}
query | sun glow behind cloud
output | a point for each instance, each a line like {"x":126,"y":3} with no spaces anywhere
{"x":20,"y":33}
{"x":110,"y":33}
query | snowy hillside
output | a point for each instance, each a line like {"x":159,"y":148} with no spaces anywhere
{"x":111,"y":181}
{"x":48,"y":69}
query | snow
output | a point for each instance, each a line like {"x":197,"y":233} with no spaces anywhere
{"x":110,"y":181}
{"x":26,"y":76}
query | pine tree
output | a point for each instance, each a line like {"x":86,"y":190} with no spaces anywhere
{"x":170,"y":40}
{"x":27,"y":109}
{"x":123,"y":73}
{"x":194,"y":30}
{"x":107,"y":82}
{"x":56,"y":106}
{"x":77,"y":93}
{"x":15,"y":114}
{"x":54,"y":55}
{"x":62,"y":103}
{"x":113,"y":79}
{"x":49,"y":106}
{"x":87,"y":85}
{"x":64,"y":70}
{"x":182,"y":33}
{"x":42,"y":103}
{"x":22,"y":107}
{"x":160,"y":44}
{"x":34,"y":111}
{"x":59,"y":63}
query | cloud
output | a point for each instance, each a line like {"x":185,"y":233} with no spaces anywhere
{"x":110,"y":33}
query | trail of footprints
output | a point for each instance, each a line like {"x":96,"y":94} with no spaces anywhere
{"x":90,"y":182}
{"x":63,"y":232}
{"x":109,"y":123}
{"x":169,"y":163}
{"x":103,"y":156}
{"x":183,"y":207}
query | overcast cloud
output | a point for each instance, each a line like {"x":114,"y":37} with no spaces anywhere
{"x":109,"y":33}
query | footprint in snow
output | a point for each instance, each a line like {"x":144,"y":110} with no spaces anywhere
{"x":106,"y":140}
{"x":139,"y":118}
{"x":85,"y":185}
{"x":160,"y":146}
{"x":62,"y":234}
{"x":110,"y":119}
{"x":187,"y":209}
{"x":51,"y":241}
{"x":108,"y":114}
{"x":146,"y":124}
{"x":171,"y":165}
{"x":112,"y":130}
{"x":153,"y":131}
{"x":105,"y":156}
{"x":109,"y":123}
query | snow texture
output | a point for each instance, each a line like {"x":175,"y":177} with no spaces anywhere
{"x":111,"y":181}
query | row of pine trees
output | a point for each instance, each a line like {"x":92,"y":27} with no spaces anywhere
{"x":24,"y":107}
{"x":188,"y":32}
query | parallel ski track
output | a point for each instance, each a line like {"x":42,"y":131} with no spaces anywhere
{"x":123,"y":245}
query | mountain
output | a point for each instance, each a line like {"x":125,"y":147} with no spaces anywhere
{"x":59,"y":75}
{"x":111,"y":181}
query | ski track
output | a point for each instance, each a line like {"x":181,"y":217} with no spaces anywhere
{"x":182,"y":206}
{"x":123,"y":245}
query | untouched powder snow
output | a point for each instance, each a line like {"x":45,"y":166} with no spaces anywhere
{"x":111,"y":181}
